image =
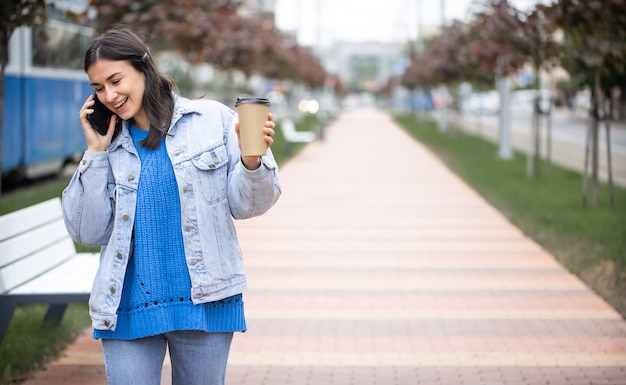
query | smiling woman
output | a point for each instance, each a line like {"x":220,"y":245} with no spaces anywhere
{"x":160,"y":198}
{"x":119,"y":68}
{"x":120,"y":87}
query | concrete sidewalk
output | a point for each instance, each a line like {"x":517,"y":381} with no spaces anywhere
{"x":379,"y":266}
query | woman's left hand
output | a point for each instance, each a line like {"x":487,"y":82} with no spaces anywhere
{"x":253,"y":162}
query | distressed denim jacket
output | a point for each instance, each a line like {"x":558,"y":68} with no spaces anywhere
{"x":214,"y":187}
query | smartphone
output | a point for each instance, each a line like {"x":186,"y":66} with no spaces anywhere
{"x":99,"y":119}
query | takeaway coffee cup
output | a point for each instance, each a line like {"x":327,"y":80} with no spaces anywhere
{"x":252,"y":117}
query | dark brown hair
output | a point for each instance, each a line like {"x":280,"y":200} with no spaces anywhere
{"x":121,"y":43}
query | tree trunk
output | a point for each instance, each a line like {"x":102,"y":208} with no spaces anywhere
{"x":594,"y":161}
{"x":537,"y":139}
{"x":621,"y":107}
{"x":609,"y":162}
{"x":533,"y":162}
{"x":592,"y":143}
{"x":443,"y":112}
{"x":549,"y":138}
{"x":504,"y":149}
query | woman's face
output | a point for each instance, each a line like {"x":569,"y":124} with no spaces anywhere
{"x":120,"y":87}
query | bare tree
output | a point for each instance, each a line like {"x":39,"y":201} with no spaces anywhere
{"x":542,"y":50}
{"x":595,"y":36}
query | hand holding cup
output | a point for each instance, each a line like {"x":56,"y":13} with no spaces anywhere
{"x":255,"y":129}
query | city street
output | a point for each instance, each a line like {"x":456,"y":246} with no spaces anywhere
{"x":569,"y":132}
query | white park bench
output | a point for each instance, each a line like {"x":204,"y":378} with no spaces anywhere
{"x":292,"y":136}
{"x":39,"y":263}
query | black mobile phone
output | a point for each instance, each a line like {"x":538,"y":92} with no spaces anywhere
{"x":99,"y":119}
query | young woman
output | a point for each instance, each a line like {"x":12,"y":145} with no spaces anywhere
{"x":160,"y":196}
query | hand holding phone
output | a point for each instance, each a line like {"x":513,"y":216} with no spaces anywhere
{"x":101,"y":116}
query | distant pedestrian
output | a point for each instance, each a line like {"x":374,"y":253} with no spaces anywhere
{"x":159,"y":194}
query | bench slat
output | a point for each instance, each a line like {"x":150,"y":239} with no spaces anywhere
{"x":76,"y":275}
{"x":36,"y":264}
{"x":28,"y":218}
{"x":290,"y":134}
{"x":37,"y":239}
{"x":39,"y":263}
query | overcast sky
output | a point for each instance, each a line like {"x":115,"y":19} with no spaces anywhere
{"x":367,"y":20}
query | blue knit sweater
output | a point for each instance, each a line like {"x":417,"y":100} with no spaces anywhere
{"x":156,"y":293}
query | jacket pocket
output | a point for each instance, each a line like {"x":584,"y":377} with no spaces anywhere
{"x":211,"y":174}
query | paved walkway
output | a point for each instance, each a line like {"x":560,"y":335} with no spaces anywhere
{"x":379,"y":266}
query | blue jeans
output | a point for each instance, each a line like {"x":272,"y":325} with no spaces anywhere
{"x":198,"y":358}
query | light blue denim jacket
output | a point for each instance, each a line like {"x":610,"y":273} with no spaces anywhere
{"x":214,"y":187}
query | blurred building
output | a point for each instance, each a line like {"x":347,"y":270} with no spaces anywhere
{"x":362,"y":66}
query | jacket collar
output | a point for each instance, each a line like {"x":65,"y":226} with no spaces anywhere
{"x":182,"y":107}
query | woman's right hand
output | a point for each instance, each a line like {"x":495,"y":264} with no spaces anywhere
{"x":95,"y":141}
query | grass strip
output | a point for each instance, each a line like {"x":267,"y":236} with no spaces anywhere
{"x":29,"y":343}
{"x":589,"y":241}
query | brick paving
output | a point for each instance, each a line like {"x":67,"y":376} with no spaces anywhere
{"x":379,"y":266}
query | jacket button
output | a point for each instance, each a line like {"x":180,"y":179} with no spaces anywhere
{"x":125,"y":217}
{"x":113,"y":290}
{"x":119,"y":255}
{"x":107,"y":323}
{"x":131,"y":176}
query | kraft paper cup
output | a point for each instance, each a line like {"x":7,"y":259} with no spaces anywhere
{"x":252,"y":117}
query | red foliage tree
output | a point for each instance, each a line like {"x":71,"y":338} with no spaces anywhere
{"x":214,"y":31}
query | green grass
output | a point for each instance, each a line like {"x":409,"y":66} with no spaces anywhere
{"x":28,"y":343}
{"x":32,"y":193}
{"x":279,"y":149}
{"x":589,"y":241}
